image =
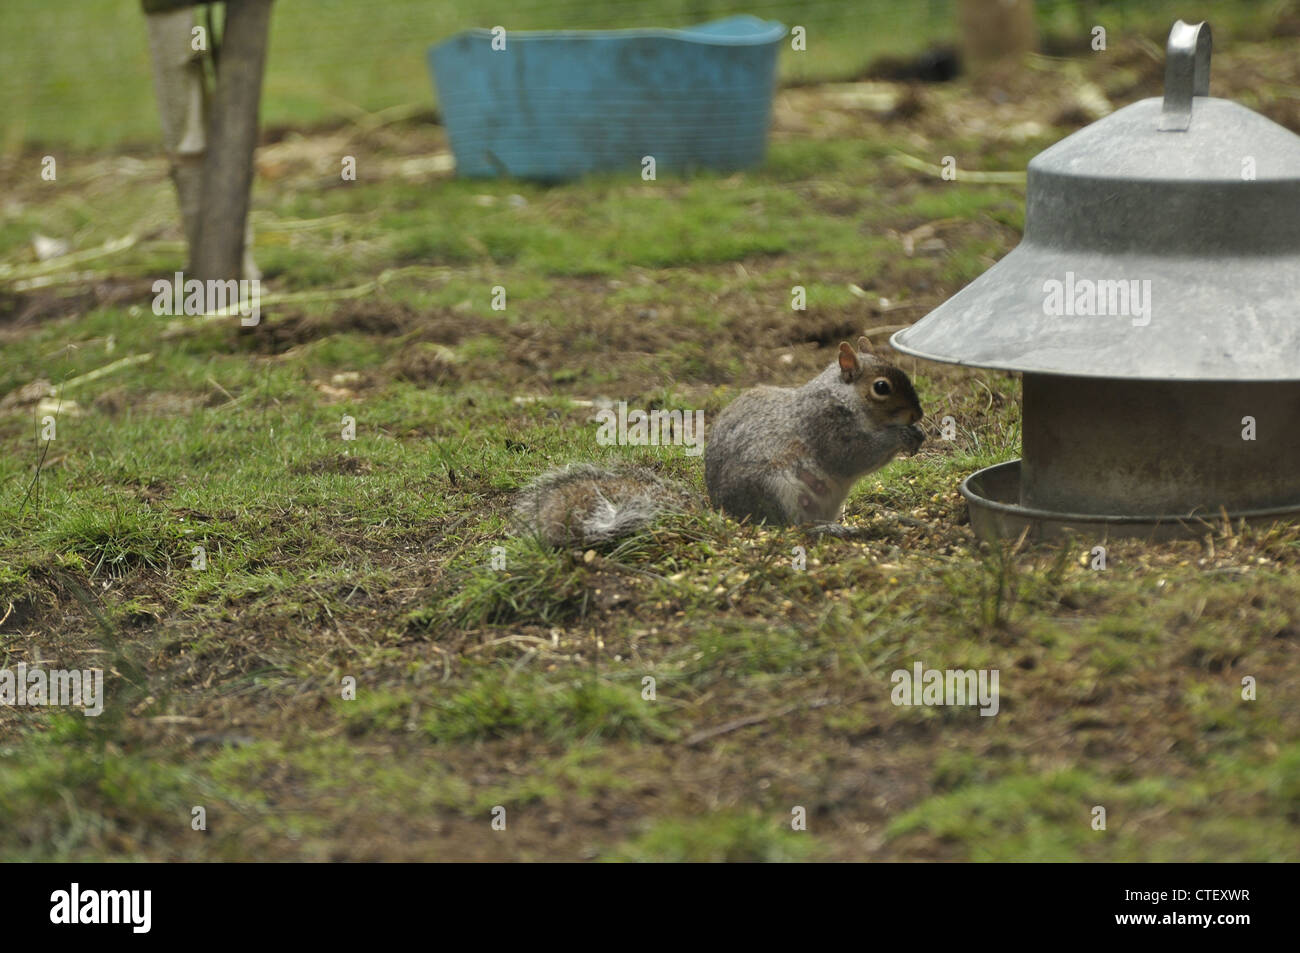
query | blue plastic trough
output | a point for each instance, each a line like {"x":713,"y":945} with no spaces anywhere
{"x":554,"y":105}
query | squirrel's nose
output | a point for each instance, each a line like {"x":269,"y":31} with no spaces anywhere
{"x":916,"y":416}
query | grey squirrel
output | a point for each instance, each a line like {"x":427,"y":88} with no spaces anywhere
{"x":782,"y":455}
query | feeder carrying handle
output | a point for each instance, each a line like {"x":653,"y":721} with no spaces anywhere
{"x":1187,"y":73}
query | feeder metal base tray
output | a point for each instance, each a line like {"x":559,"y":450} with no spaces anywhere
{"x":996,"y":512}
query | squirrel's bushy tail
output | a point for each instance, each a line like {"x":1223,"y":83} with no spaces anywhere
{"x":585,"y":505}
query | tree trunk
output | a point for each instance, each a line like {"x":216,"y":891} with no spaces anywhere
{"x":218,"y":252}
{"x":996,"y":34}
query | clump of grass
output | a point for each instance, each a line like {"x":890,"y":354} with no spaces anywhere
{"x":377,"y":711}
{"x":990,"y":590}
{"x":495,"y":707}
{"x":724,"y":837}
{"x":15,"y":582}
{"x":1282,"y":781}
{"x":66,"y":794}
{"x":1007,"y":816}
{"x":737,"y":650}
{"x":1044,"y":816}
{"x":957,"y":769}
{"x":112,"y":539}
{"x":533,"y":584}
{"x":522,"y":580}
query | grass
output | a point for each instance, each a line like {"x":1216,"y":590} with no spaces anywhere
{"x":80,"y":79}
{"x":331,"y":59}
{"x":672,"y":697}
{"x":718,"y":838}
{"x":1052,"y":815}
{"x":106,"y":797}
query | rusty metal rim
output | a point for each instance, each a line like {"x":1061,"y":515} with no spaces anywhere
{"x":1011,"y":471}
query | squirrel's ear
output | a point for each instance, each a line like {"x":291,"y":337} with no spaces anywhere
{"x":865,"y":346}
{"x":849,"y":367}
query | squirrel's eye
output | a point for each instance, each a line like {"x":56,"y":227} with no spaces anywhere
{"x":880,"y":387}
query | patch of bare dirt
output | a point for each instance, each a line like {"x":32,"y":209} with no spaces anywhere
{"x":425,"y":363}
{"x":339,"y":463}
{"x":376,"y":316}
{"x":1051,"y":93}
{"x":20,"y":309}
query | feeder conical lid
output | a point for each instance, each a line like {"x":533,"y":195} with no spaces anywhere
{"x":1162,"y":242}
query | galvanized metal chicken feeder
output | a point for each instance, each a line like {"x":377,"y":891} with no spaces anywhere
{"x":1153,"y":309}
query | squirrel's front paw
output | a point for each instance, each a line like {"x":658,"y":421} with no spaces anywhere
{"x":911,"y":438}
